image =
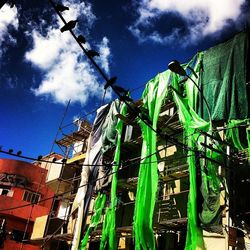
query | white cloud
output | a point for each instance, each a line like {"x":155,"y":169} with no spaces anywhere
{"x":79,"y":9}
{"x":202,"y":17}
{"x":8,"y":18}
{"x":105,"y":54}
{"x":68,"y":73}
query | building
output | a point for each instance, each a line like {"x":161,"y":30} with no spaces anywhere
{"x":21,"y":183}
{"x":178,"y":178}
{"x":55,"y":230}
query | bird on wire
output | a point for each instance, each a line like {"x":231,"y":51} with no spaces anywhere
{"x":68,"y":26}
{"x":12,"y":4}
{"x":110,"y":82}
{"x":61,"y":7}
{"x":120,"y":90}
{"x":126,"y":98}
{"x":19,"y":152}
{"x":81,"y":39}
{"x":92,"y":53}
{"x":39,"y":157}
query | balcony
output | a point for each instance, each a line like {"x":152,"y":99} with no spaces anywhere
{"x":63,"y":177}
{"x":23,"y":212}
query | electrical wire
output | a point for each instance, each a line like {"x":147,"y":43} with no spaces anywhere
{"x":43,"y":175}
{"x":123,"y":166}
{"x":60,"y":163}
{"x":95,"y":110}
{"x":136,"y":113}
{"x":184,"y":146}
{"x":167,"y":137}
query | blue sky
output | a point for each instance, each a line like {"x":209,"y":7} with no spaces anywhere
{"x":42,"y":68}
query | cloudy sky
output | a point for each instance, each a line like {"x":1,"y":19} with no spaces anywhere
{"x":42,"y":68}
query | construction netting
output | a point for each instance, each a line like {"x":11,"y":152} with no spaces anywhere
{"x":223,"y":79}
{"x":221,"y":73}
{"x":109,"y":223}
{"x":153,"y":97}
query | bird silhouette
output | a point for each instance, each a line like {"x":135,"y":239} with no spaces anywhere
{"x":110,"y":82}
{"x":81,"y":39}
{"x":12,"y":4}
{"x":92,"y":53}
{"x":61,"y":7}
{"x":39,"y":157}
{"x":120,"y":90}
{"x":68,"y":26}
{"x":126,"y":98}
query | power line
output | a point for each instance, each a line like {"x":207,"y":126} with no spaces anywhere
{"x":43,"y":174}
{"x":123,"y":166}
{"x":136,"y":111}
{"x":94,"y":110}
{"x":60,"y":163}
{"x":30,"y":158}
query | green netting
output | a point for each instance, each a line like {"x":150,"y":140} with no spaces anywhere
{"x":109,"y":127}
{"x":210,"y":183}
{"x":192,"y":124}
{"x":248,"y":141}
{"x":109,"y":224}
{"x":210,"y":188}
{"x":153,"y":96}
{"x":223,"y":79}
{"x":95,"y":219}
{"x":232,"y":133}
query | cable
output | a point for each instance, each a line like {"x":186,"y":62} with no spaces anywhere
{"x":94,"y":110}
{"x":131,"y":163}
{"x":119,"y":203}
{"x":41,"y":180}
{"x":146,"y":122}
{"x":136,"y":88}
{"x":167,"y":137}
{"x":60,"y":163}
{"x":28,"y":158}
{"x":138,"y":114}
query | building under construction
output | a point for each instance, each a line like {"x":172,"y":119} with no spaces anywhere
{"x":169,"y":171}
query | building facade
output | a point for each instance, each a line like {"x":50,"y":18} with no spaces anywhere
{"x":21,"y":183}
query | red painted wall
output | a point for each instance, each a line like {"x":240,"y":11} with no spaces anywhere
{"x":12,"y":245}
{"x":17,"y":218}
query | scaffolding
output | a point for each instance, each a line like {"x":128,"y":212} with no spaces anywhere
{"x":170,"y":216}
{"x":54,"y":230}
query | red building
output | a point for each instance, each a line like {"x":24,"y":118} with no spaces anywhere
{"x":21,"y":183}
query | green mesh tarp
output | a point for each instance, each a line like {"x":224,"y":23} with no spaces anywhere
{"x":192,"y":124}
{"x":232,"y":133}
{"x":109,"y":126}
{"x":153,"y":97}
{"x":222,"y":72}
{"x":210,"y":215}
{"x":223,"y":79}
{"x":109,"y":224}
{"x":95,"y":219}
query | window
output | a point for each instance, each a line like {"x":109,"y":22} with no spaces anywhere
{"x":6,"y":192}
{"x":18,"y":236}
{"x":31,"y":197}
